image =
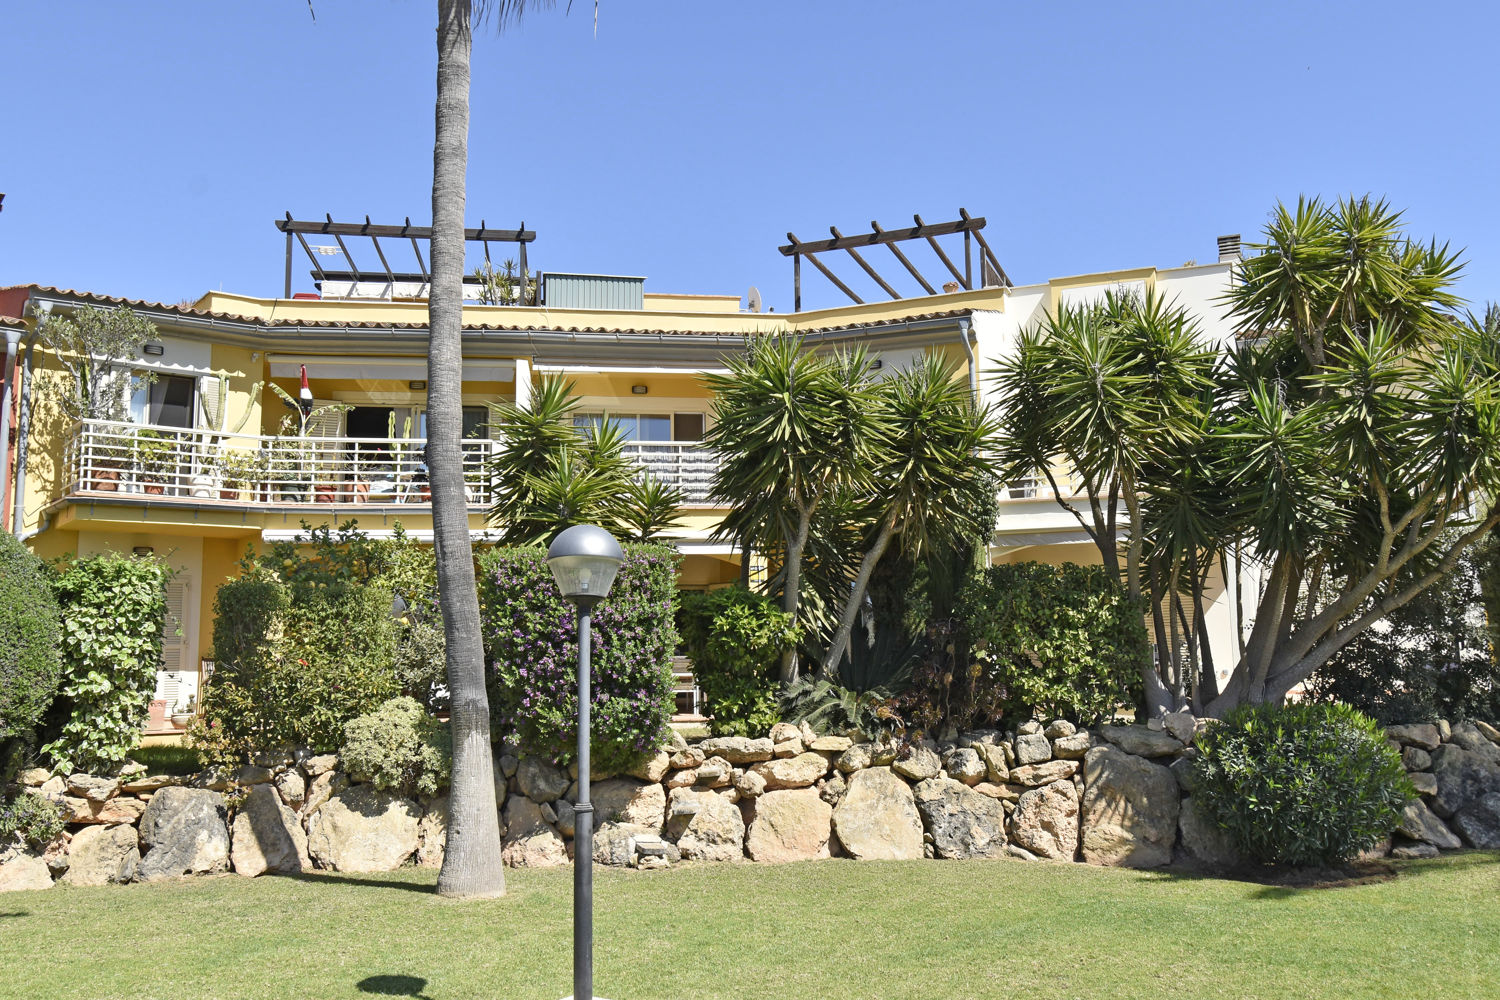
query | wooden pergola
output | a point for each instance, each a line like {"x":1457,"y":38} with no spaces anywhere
{"x":990,"y":271}
{"x":415,"y":235}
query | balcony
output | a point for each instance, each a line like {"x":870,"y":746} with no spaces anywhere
{"x":1035,"y":488}
{"x":115,"y":458}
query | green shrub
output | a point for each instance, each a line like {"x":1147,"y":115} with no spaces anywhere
{"x":168,"y":758}
{"x":1052,"y":641}
{"x":30,"y":662}
{"x":35,"y":819}
{"x":840,"y":711}
{"x":1304,"y":784}
{"x":421,"y":646}
{"x":112,"y":609}
{"x":400,"y":748}
{"x":735,"y":638}
{"x":532,"y":639}
{"x":305,"y":642}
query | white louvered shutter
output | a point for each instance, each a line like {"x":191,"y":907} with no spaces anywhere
{"x":172,"y":640}
{"x":212,"y":393}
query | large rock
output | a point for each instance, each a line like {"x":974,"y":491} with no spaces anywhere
{"x":965,"y":764}
{"x":856,"y":758}
{"x":266,"y":836}
{"x":1468,"y":736}
{"x":150,"y":783}
{"x":1072,"y":746}
{"x":99,"y":855}
{"x":790,"y":824}
{"x":878,"y":817}
{"x":1490,"y":732}
{"x":1045,"y":821}
{"x":652,"y":768}
{"x":705,"y":825}
{"x":1479,"y":822}
{"x":1036,"y":775}
{"x":94,"y":789}
{"x":1141,"y":741}
{"x":24,"y":871}
{"x":363,"y":830}
{"x":530,"y":841}
{"x":792,"y":772}
{"x":993,"y":755}
{"x":184,"y":831}
{"x":919,"y":764}
{"x":292,"y":787}
{"x":541,"y":780}
{"x":1033,"y":749}
{"x":634,"y":803}
{"x":614,"y":843}
{"x":432,"y":833}
{"x":1424,"y":735}
{"x":1181,"y":725}
{"x":1463,"y":776}
{"x":963,"y":823}
{"x":1203,"y":842}
{"x":738,"y":749}
{"x":1418,"y":822}
{"x":123,"y":809}
{"x":1130,"y":810}
{"x":830,"y":744}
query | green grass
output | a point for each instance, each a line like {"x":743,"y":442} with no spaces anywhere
{"x":832,"y":929}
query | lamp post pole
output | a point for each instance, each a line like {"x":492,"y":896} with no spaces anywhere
{"x":583,"y":821}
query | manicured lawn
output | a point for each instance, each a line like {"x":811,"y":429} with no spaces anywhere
{"x":833,"y":929}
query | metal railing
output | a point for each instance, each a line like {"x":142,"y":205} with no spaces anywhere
{"x":1039,"y":488}
{"x":107,"y":456}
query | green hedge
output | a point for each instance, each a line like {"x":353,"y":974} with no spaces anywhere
{"x":532,"y":642}
{"x":734,"y":638}
{"x":112,"y":609}
{"x":30,"y":661}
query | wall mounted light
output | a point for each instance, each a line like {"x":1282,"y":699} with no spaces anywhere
{"x":143,"y":550}
{"x":155,"y":350}
{"x":416,"y":385}
{"x":639,"y":390}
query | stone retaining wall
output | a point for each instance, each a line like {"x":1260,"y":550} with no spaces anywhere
{"x":1120,"y":795}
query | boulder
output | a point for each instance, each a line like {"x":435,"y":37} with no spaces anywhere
{"x":1424,"y":783}
{"x":831,"y":744}
{"x":832,"y":788}
{"x":1129,"y":811}
{"x":1184,"y":771}
{"x":738,"y":749}
{"x":856,"y":758}
{"x":1479,"y":821}
{"x":705,"y":825}
{"x":34,"y":777}
{"x":292,"y":787}
{"x":432,"y":833}
{"x":321,"y":764}
{"x":964,"y":764}
{"x":1142,"y":741}
{"x":99,"y":855}
{"x":94,"y":789}
{"x":963,"y":823}
{"x":323,"y":788}
{"x":1467,"y":735}
{"x":1033,"y":749}
{"x":184,"y":831}
{"x":682,"y":779}
{"x":631,"y":802}
{"x":1462,"y":777}
{"x":1071,"y":747}
{"x":716,"y":772}
{"x":787,"y":748}
{"x":878,"y":817}
{"x":24,"y":871}
{"x":1417,"y":822}
{"x":1412,"y":850}
{"x":530,"y":841}
{"x":266,"y":836}
{"x":1036,"y":775}
{"x":1490,"y":732}
{"x":791,"y":772}
{"x":1181,"y":725}
{"x":920,"y":763}
{"x":1058,"y":728}
{"x":1045,"y":821}
{"x":652,"y":768}
{"x":750,"y":784}
{"x":686,"y":758}
{"x":541,"y":780}
{"x":124,"y":809}
{"x":362,"y":829}
{"x":790,"y":824}
{"x":995,"y":767}
{"x":567,"y":817}
{"x":1031,"y":727}
{"x":783,"y":731}
{"x":614,"y":843}
{"x":149,"y":783}
{"x":1424,"y":735}
{"x":251,"y":774}
{"x":1203,"y":842}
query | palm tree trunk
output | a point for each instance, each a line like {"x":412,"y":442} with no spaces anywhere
{"x":471,"y":859}
{"x":856,"y":600}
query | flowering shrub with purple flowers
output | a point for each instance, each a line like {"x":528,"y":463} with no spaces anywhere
{"x":531,"y":639}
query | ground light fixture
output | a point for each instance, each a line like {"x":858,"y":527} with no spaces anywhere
{"x":584,"y":560}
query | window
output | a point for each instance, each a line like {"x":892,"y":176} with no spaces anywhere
{"x":166,"y":402}
{"x":648,"y":426}
{"x":687,"y":427}
{"x":476,"y":422}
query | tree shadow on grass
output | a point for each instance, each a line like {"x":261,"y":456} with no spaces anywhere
{"x":394,"y":986}
{"x":15,"y":913}
{"x":371,"y":883}
{"x":1285,"y":883}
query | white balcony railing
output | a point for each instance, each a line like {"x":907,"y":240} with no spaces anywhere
{"x":1039,"y":488}
{"x":115,"y":457}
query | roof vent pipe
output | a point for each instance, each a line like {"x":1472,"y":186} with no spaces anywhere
{"x":1229,"y":248}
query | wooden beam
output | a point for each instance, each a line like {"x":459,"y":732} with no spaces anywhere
{"x":985,"y":251}
{"x":861,"y":262}
{"x":826,"y":273}
{"x":920,"y":231}
{"x":408,"y":230}
{"x":875,"y":227}
{"x":937,"y":249}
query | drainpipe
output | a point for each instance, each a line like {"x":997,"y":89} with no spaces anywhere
{"x":964,"y":338}
{"x":23,"y":430}
{"x":12,"y":341}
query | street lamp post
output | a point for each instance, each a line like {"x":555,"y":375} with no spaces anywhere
{"x":583,"y":560}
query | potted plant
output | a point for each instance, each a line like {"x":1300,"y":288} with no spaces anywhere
{"x":238,"y":471}
{"x":156,"y":458}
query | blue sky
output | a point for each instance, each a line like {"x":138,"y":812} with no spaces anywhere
{"x":151,"y":144}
